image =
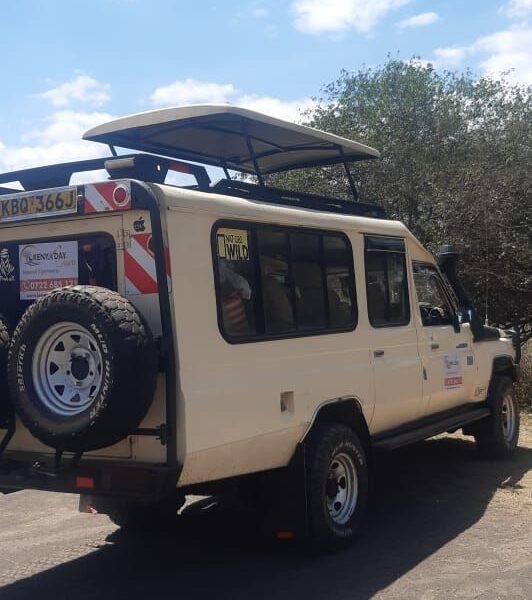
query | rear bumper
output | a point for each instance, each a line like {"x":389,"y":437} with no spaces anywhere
{"x":117,"y":479}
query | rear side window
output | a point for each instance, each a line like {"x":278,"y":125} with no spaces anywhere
{"x":236,"y":282}
{"x":282,"y":282}
{"x":386,"y":281}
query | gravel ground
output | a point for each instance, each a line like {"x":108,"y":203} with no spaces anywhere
{"x":444,"y":524}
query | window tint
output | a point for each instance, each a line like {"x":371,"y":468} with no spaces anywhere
{"x":433,"y":304}
{"x":275,"y":280}
{"x":307,"y":274}
{"x":386,"y":281}
{"x":304,"y":282}
{"x":339,"y":280}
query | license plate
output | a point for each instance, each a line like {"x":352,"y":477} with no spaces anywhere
{"x":17,"y":207}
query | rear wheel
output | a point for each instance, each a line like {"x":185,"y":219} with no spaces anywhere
{"x":337,"y":481}
{"x":497,"y":436}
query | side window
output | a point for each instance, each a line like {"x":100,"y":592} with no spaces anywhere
{"x":339,"y":279}
{"x":386,"y":281}
{"x":275,"y":281}
{"x":283,"y":282}
{"x":307,"y":273}
{"x":433,"y":304}
{"x":236,"y":282}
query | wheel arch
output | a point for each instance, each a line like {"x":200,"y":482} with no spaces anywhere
{"x":346,"y":411}
{"x":505,"y":365}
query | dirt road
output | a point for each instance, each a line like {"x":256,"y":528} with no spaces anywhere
{"x":444,"y":524}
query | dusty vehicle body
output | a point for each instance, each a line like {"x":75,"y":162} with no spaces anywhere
{"x":273,"y":322}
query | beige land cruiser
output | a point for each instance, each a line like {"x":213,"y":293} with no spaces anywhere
{"x":159,"y":340}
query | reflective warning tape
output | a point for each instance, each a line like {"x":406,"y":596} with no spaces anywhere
{"x":109,"y":196}
{"x":139,"y":266}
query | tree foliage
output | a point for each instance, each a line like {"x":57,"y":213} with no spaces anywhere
{"x":456,"y":155}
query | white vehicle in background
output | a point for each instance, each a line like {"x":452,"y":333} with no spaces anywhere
{"x":159,"y":340}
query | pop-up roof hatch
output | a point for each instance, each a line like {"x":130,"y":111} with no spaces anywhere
{"x":229,"y":137}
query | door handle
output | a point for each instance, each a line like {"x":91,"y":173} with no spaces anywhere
{"x":434,"y":346}
{"x":462,"y":345}
{"x":378,"y":353}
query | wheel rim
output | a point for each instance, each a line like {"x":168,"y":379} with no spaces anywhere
{"x":341,"y":488}
{"x":67,"y":369}
{"x":508,"y":417}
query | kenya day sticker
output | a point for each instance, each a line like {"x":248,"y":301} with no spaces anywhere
{"x":45,"y":267}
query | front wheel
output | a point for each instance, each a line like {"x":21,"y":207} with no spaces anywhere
{"x":497,"y":436}
{"x":337,"y":481}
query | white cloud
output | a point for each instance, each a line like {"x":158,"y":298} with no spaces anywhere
{"x":260,"y":12}
{"x":517,"y":9}
{"x":452,"y":55}
{"x":83,"y":89}
{"x":192,"y":91}
{"x":337,"y":16}
{"x":508,"y":50}
{"x":288,"y":110}
{"x":67,"y":125}
{"x":421,"y":20}
{"x":59,"y":140}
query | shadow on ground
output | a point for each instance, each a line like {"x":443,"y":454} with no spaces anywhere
{"x":425,"y":496}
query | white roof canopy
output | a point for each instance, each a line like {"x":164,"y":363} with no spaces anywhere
{"x":231,"y":137}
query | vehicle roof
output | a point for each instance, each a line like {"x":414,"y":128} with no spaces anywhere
{"x":228,"y":136}
{"x":235,"y":208}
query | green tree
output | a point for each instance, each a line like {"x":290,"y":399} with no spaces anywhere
{"x":456,"y":154}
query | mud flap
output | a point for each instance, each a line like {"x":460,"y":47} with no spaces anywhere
{"x":285,"y":499}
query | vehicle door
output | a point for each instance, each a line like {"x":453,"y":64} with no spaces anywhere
{"x":393,"y":339}
{"x":446,"y":350}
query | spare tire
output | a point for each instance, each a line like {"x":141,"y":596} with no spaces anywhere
{"x":81,"y":368}
{"x":4,"y":390}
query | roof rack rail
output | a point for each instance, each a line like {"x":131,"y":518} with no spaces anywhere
{"x":243,"y":189}
{"x":147,"y":167}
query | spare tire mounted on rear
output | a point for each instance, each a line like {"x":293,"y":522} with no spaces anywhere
{"x":4,"y":392}
{"x":82,"y":368}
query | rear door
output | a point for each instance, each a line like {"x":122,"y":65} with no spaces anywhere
{"x":447,"y":355}
{"x":393,"y":339}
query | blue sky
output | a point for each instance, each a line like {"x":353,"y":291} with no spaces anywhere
{"x":69,"y":64}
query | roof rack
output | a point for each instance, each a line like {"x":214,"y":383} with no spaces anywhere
{"x":136,"y":166}
{"x":272,"y":195}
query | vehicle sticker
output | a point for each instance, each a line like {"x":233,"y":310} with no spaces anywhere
{"x":109,"y":196}
{"x":47,"y":266}
{"x":452,"y":371}
{"x":232,"y":244}
{"x":7,"y":268}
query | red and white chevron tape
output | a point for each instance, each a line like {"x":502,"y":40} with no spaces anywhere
{"x":139,"y":266}
{"x":109,"y":196}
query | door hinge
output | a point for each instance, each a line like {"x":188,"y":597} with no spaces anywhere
{"x":124,"y":239}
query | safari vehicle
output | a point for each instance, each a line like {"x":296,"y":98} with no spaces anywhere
{"x":161,"y":340}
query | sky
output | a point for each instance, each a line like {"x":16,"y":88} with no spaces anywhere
{"x":68,"y":65}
